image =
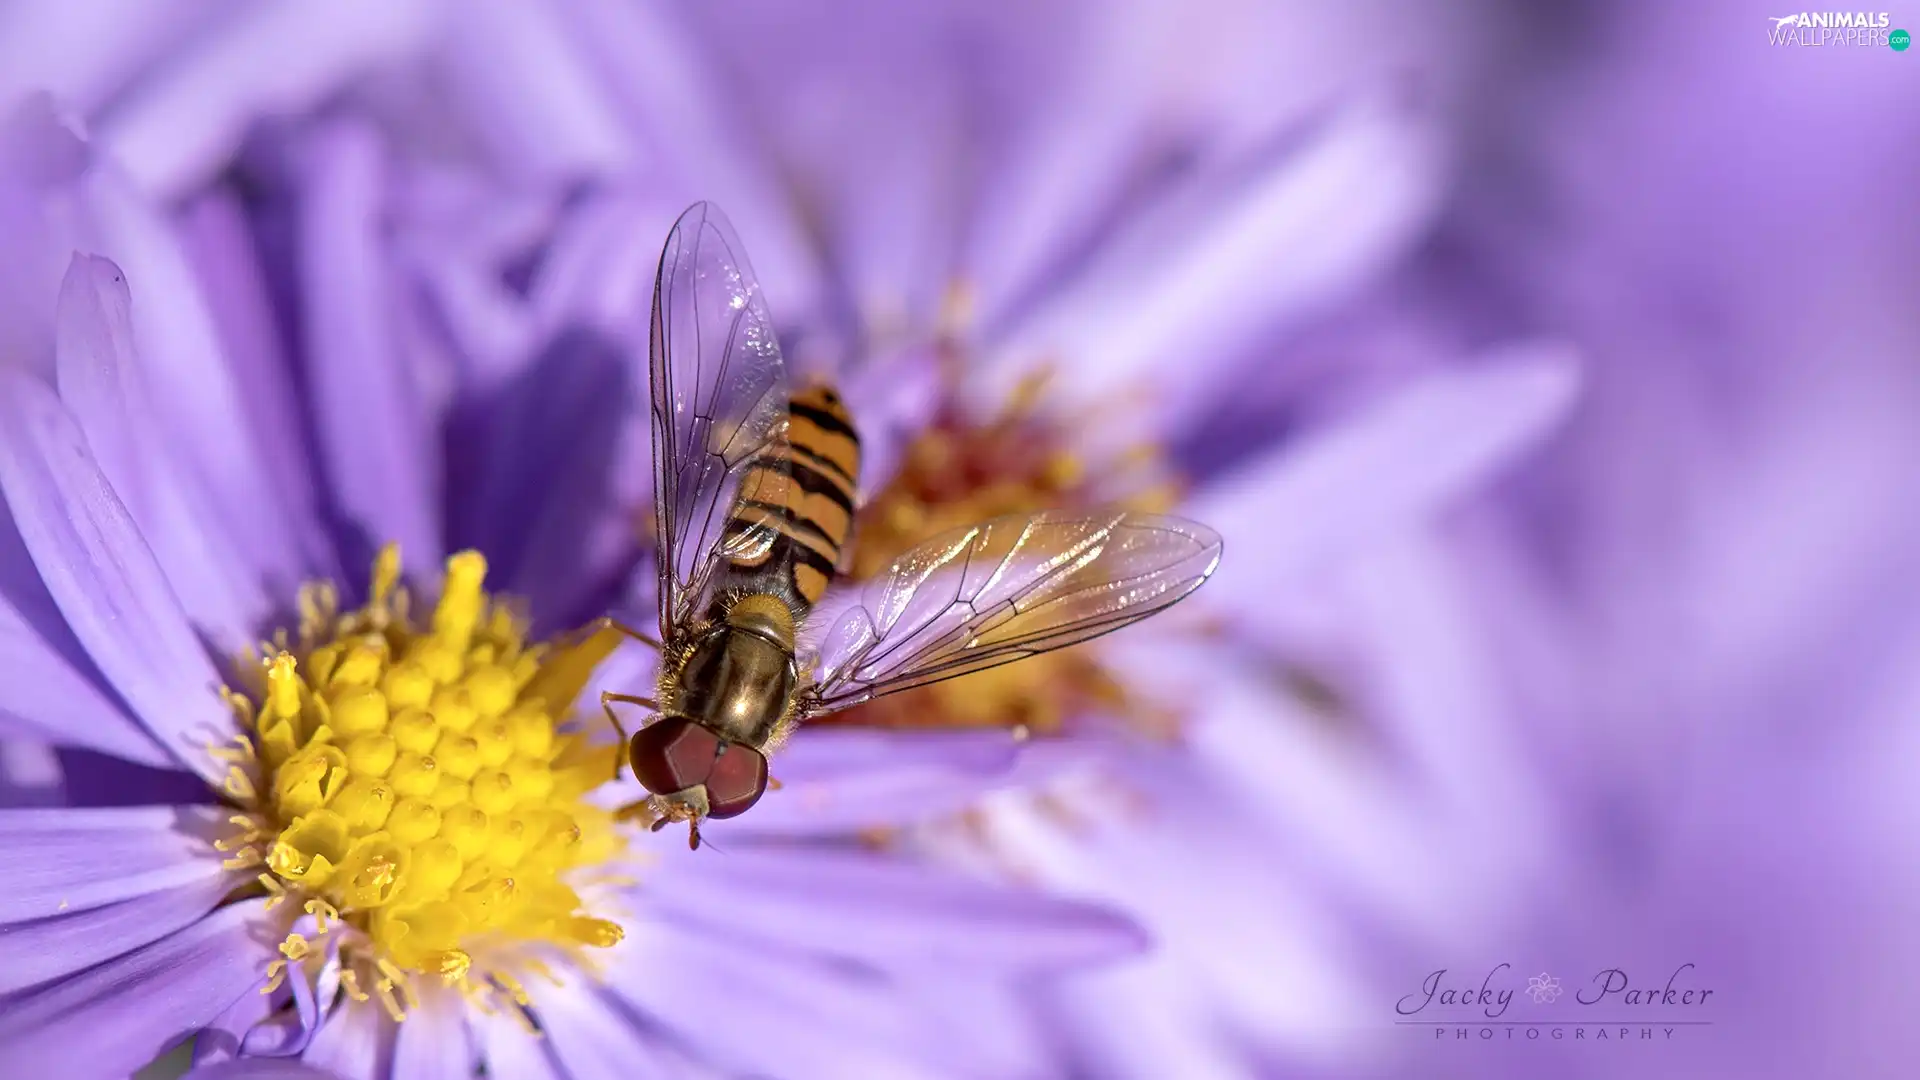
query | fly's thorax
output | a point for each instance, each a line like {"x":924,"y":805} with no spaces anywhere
{"x":737,"y":682}
{"x":764,"y":614}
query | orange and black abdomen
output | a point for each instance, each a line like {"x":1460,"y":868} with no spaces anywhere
{"x":802,"y":488}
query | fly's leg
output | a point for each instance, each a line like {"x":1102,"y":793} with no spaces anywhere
{"x":645,"y":639}
{"x":655,"y":816}
{"x":607,"y":698}
{"x":642,"y":810}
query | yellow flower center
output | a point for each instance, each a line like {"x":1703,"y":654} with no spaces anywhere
{"x":959,"y":472}
{"x":407,"y":781}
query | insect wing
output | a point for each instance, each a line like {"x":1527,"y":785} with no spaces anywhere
{"x":1013,"y":587}
{"x":719,"y":398}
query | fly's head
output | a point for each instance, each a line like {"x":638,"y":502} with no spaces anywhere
{"x":694,"y":773}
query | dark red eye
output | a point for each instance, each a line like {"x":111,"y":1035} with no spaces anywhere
{"x":738,"y":779}
{"x":673,"y":755}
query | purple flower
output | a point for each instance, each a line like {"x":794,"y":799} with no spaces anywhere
{"x":992,"y":216}
{"x":386,"y":815}
{"x":1162,"y":272}
{"x":1186,"y":287}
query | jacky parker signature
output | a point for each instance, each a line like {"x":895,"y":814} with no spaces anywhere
{"x":1608,"y":986}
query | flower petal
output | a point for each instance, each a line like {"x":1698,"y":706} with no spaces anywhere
{"x":258,"y":1069}
{"x":646,"y":55}
{"x":511,"y":1050}
{"x":29,"y":775}
{"x":91,"y":779}
{"x":808,"y":1018}
{"x":471,"y":263}
{"x":1236,"y":254}
{"x":191,"y":112}
{"x":221,"y":246}
{"x":84,"y":57}
{"x":98,"y":376}
{"x":355,"y":1043}
{"x":101,"y":383}
{"x":592,"y":1038}
{"x":215,"y":427}
{"x":834,"y":781}
{"x":44,"y":695}
{"x":101,"y":573}
{"x":115,"y":1018}
{"x":878,"y":909}
{"x":61,"y":860}
{"x":368,"y":409}
{"x":538,"y":108}
{"x":433,"y":1044}
{"x":894,"y":399}
{"x":541,"y":499}
{"x":34,"y":952}
{"x":1169,"y":1017}
{"x":220,"y":1040}
{"x":1399,"y":460}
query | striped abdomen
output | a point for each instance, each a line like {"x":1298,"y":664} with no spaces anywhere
{"x":801,"y":489}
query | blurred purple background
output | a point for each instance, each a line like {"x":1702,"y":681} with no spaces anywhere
{"x":1635,"y":685}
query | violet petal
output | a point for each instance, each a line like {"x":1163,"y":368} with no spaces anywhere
{"x":433,"y":1044}
{"x":355,"y":1043}
{"x":63,"y":860}
{"x":191,"y":113}
{"x":43,"y":949}
{"x":102,"y":574}
{"x":878,"y":909}
{"x":30,"y":774}
{"x":532,"y":100}
{"x":216,"y":233}
{"x":115,"y":1018}
{"x":254,"y":1068}
{"x":101,"y":383}
{"x":44,"y":699}
{"x":369,"y":412}
{"x":834,"y":781}
{"x":809,"y":1019}
{"x":593,"y":1038}
{"x":1396,"y":462}
{"x":1232,"y":256}
{"x":210,"y":420}
{"x":511,"y":1050}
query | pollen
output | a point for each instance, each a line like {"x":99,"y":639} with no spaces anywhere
{"x":410,"y":780}
{"x":962,"y":470}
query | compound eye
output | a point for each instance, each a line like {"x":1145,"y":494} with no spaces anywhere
{"x":672,"y":755}
{"x":738,"y":779}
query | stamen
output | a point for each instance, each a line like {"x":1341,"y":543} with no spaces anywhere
{"x":239,"y":785}
{"x":386,"y":574}
{"x":406,"y":786}
{"x":390,"y":999}
{"x":323,"y":914}
{"x":962,"y":470}
{"x":513,"y":988}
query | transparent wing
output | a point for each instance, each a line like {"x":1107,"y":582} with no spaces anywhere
{"x":1013,"y":587}
{"x":719,"y":398}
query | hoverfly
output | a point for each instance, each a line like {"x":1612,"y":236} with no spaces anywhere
{"x":753,"y":500}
